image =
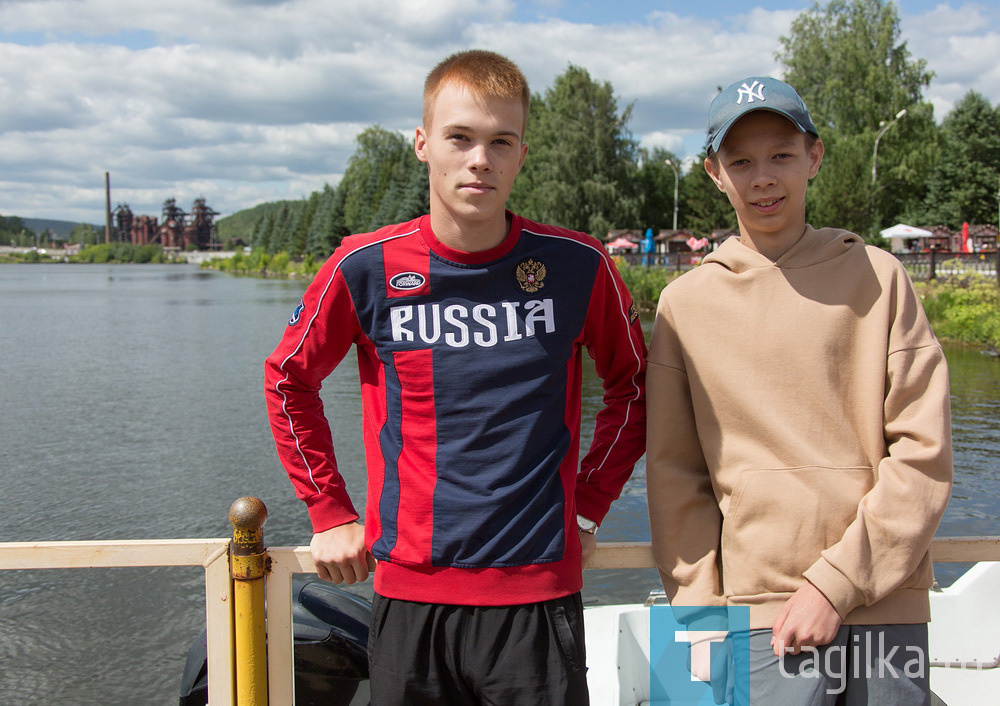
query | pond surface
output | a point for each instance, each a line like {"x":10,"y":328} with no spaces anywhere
{"x":132,"y":407}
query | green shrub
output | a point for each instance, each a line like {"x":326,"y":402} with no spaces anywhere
{"x":279,"y":263}
{"x":645,"y":283}
{"x":258,"y":263}
{"x":122,"y":252}
{"x":964,"y":307}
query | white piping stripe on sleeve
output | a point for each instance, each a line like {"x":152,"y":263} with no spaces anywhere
{"x":319,"y":305}
{"x":621,"y":305}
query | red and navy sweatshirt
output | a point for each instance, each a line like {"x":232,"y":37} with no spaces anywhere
{"x":470,"y":368}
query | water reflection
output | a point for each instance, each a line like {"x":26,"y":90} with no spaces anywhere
{"x":132,"y":408}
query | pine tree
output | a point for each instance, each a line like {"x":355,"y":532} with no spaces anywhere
{"x":581,"y":167}
{"x":380,"y":157}
{"x":261,"y":238}
{"x":320,"y":237}
{"x":964,"y":184}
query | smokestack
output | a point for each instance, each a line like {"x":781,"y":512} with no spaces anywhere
{"x":107,"y":207}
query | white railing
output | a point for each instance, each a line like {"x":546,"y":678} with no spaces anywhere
{"x":214,"y":556}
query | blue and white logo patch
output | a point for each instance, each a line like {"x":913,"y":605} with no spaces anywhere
{"x":406,"y":281}
{"x":297,"y":314}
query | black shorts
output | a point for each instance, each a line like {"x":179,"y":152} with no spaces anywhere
{"x":438,"y":654}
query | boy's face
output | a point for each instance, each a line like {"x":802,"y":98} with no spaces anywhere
{"x":764,"y":167}
{"x":473,"y":150}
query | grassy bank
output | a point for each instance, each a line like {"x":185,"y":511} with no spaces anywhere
{"x":259,"y":264}
{"x":964,"y":308}
{"x":96,"y":254}
{"x":645,"y":283}
{"x":123,"y":253}
{"x":30,"y":256}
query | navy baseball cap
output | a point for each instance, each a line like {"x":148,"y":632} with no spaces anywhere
{"x":755,"y":93}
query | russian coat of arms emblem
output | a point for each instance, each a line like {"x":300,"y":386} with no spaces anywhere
{"x":530,"y":275}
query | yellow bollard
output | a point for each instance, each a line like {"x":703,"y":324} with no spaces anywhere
{"x":249,"y":563}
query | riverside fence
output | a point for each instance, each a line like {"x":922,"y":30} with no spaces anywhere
{"x":921,"y":266}
{"x":933,"y":264}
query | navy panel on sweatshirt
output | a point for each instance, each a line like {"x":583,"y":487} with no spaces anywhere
{"x":502,"y":339}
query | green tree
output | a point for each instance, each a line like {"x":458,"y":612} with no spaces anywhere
{"x":408,"y":195}
{"x":305,"y":223}
{"x":327,"y":226}
{"x":261,"y":237}
{"x":84,"y":234}
{"x":704,"y":207}
{"x":282,"y":234}
{"x":964,"y":183}
{"x":14,"y":232}
{"x":846,"y":60}
{"x":240,"y":225}
{"x":581,"y":166}
{"x":655,"y":188}
{"x":381,"y":157}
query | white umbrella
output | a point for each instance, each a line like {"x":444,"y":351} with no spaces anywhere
{"x":901,"y":230}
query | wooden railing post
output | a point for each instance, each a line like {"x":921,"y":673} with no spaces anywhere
{"x":249,"y":565}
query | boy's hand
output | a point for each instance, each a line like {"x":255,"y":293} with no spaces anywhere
{"x":808,"y":619}
{"x":589,"y":543}
{"x":340,"y":555}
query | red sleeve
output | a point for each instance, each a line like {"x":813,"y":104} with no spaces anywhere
{"x":613,"y":336}
{"x":317,"y":338}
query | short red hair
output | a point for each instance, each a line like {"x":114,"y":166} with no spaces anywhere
{"x":485,"y":73}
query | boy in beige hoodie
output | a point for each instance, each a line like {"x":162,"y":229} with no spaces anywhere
{"x":799,"y":433}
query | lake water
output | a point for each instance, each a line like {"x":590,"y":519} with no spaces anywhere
{"x":132,"y":408}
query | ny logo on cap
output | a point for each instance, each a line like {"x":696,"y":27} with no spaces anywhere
{"x":753,"y":91}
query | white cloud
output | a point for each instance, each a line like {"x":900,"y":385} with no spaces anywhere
{"x":666,"y":140}
{"x":961,"y":45}
{"x":249,"y":101}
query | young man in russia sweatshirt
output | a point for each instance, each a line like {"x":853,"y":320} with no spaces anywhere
{"x":469,"y":324}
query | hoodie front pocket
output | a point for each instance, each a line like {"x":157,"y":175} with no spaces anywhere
{"x":779,"y":521}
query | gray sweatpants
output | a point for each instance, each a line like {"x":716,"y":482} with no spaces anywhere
{"x":865,"y":665}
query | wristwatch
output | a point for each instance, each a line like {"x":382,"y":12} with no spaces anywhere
{"x":585,"y":525}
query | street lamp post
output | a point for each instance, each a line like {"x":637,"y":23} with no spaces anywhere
{"x":885,"y":127}
{"x":677,"y":180}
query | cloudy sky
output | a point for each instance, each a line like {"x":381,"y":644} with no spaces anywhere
{"x":246,"y":101}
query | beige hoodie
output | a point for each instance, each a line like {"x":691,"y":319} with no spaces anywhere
{"x":799,"y":429}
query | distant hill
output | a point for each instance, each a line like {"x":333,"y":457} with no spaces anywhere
{"x":241,"y":224}
{"x":61,"y":229}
